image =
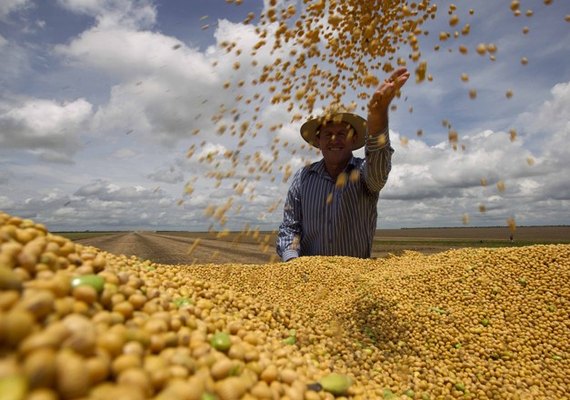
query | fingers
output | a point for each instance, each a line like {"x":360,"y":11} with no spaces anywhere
{"x":388,"y":89}
{"x":399,"y":77}
{"x":398,"y":72}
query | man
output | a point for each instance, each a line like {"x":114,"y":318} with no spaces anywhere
{"x":331,"y":205}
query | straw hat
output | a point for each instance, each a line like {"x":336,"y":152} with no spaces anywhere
{"x":310,"y":128}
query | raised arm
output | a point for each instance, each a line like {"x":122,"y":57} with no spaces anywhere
{"x":379,"y":104}
{"x":378,"y":150}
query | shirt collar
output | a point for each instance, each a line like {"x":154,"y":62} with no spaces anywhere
{"x":319,"y":166}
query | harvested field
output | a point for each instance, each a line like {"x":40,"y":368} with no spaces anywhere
{"x":77,"y":322}
{"x":173,"y":247}
{"x":555,"y":234}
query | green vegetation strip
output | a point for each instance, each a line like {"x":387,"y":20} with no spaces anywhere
{"x":85,"y":235}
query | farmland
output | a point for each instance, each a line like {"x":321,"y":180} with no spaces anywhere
{"x":258,"y":248}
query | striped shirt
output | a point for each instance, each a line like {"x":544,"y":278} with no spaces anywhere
{"x":320,"y":218}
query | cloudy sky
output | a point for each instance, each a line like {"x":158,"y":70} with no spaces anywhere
{"x":101,"y":101}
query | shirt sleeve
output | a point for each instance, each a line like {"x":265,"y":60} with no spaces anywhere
{"x":288,"y":238}
{"x":378,"y":163}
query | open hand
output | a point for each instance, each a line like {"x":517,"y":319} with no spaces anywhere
{"x":386,"y":91}
{"x":381,"y":99}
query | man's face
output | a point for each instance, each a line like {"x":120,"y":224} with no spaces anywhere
{"x":336,"y":140}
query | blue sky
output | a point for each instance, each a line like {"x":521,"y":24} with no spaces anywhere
{"x":99,"y":100}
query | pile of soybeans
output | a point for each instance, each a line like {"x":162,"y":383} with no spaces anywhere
{"x":76,"y":322}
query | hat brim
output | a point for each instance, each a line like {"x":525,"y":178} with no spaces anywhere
{"x":310,"y":128}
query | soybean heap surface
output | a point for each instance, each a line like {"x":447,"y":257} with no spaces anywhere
{"x":76,"y":322}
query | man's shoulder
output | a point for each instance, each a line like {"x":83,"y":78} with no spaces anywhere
{"x":308,"y":169}
{"x":312,"y":167}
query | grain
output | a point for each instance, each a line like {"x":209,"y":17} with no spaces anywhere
{"x":336,"y":384}
{"x":473,"y":323}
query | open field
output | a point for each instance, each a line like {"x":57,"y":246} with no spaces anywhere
{"x":174,"y":249}
{"x":258,"y":248}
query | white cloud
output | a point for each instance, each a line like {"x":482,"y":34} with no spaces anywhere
{"x":167,"y":175}
{"x":163,"y":89}
{"x":434,"y":184}
{"x":103,"y":204}
{"x":551,"y":117}
{"x":9,"y":6}
{"x":15,"y":14}
{"x":15,"y":61}
{"x":124,"y":153}
{"x":5,"y":176}
{"x":126,"y":53}
{"x":106,"y":191}
{"x":112,"y":13}
{"x":46,"y":126}
{"x":5,"y":202}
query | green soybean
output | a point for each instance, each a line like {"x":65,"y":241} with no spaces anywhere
{"x":95,"y":281}
{"x":336,"y":384}
{"x":221,"y":341}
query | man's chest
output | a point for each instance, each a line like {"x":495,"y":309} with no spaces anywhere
{"x":324,"y":200}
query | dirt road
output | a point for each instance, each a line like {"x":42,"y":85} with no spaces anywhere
{"x":174,"y":249}
{"x":171,"y":249}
